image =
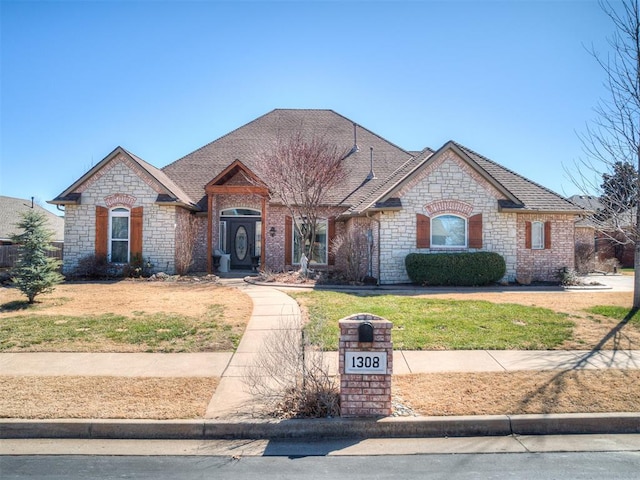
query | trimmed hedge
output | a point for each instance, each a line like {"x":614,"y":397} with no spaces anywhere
{"x":455,"y":269}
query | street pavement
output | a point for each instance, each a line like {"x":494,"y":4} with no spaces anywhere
{"x":231,"y":410}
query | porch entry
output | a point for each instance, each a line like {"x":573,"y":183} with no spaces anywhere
{"x":241,"y":237}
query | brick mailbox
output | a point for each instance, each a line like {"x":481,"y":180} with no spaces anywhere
{"x":366,"y":366}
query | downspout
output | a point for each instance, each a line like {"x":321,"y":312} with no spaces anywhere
{"x":379,"y":249}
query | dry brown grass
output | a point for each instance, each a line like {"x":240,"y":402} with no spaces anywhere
{"x":133,"y":299}
{"x":576,"y":391}
{"x":127,"y":296}
{"x":105,"y":397}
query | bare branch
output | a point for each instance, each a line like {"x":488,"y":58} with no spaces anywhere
{"x":301,"y":173}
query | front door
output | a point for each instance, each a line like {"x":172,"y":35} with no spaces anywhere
{"x":241,"y":235}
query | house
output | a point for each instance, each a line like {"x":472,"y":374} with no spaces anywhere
{"x":11,"y":210}
{"x":447,"y":200}
{"x":607,"y":234}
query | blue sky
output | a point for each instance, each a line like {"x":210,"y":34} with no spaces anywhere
{"x":511,"y":80}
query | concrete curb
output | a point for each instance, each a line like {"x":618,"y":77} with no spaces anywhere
{"x":419,"y":289}
{"x":389,"y":427}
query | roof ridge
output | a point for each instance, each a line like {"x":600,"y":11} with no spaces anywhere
{"x":167,"y":182}
{"x":249,"y":123}
{"x":390,"y":178}
{"x":219,"y":138}
{"x":373,"y":133}
{"x":493,"y":162}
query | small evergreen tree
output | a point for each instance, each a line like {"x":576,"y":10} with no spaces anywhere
{"x":35,"y":272}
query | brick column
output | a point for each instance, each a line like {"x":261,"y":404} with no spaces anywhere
{"x":365,"y":391}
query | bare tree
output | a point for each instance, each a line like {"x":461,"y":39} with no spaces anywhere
{"x":612,"y":140}
{"x":290,"y":376}
{"x":187,"y":231}
{"x":301,"y":172}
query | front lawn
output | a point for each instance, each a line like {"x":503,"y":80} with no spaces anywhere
{"x":125,"y":316}
{"x":438,"y":324}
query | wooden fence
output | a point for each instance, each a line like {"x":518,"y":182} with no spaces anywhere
{"x":9,"y":254}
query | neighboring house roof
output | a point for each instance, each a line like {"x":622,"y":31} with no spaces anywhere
{"x":591,"y":204}
{"x":11,"y":210}
{"x":602,"y":219}
{"x":171,"y":193}
{"x":588,"y":202}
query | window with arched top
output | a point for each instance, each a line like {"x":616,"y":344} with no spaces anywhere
{"x":449,"y":231}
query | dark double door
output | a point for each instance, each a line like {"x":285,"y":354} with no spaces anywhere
{"x":241,"y":237}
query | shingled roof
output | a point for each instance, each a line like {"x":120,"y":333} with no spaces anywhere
{"x":520,"y":193}
{"x":11,"y":210}
{"x":531,"y":195}
{"x":247,"y":143}
{"x":171,"y":193}
{"x":392,"y":165}
{"x":184,"y":180}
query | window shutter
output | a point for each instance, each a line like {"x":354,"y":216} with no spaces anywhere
{"x":475,"y":231}
{"x":136,"y":232}
{"x":527,"y":235}
{"x":331,"y":234}
{"x":547,"y":235}
{"x":288,"y":226}
{"x":102,"y":234}
{"x":423,"y":231}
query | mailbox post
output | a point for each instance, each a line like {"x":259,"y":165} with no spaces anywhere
{"x":366,"y":366}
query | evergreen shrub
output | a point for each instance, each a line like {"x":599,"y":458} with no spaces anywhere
{"x":455,"y":269}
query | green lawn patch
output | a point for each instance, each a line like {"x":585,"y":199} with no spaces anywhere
{"x":617,"y":313}
{"x":157,"y":332}
{"x":430,"y":324}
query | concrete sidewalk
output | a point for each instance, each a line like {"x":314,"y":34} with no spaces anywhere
{"x":230,"y":409}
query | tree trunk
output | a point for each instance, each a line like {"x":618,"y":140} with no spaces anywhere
{"x":636,"y":279}
{"x":636,"y":258}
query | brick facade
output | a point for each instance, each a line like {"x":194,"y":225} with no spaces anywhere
{"x":543,"y":264}
{"x":365,"y":395}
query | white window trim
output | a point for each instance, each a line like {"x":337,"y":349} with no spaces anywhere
{"x":537,"y":226}
{"x":126,"y":212}
{"x":256,"y":212}
{"x":319,"y":221}
{"x":450,"y":247}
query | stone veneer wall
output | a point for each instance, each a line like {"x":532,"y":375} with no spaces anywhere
{"x":447,"y":184}
{"x":120,"y":176}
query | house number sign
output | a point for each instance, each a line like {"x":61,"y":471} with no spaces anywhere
{"x":365,"y":362}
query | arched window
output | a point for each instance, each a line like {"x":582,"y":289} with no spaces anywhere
{"x":119,"y":235}
{"x":449,"y":231}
